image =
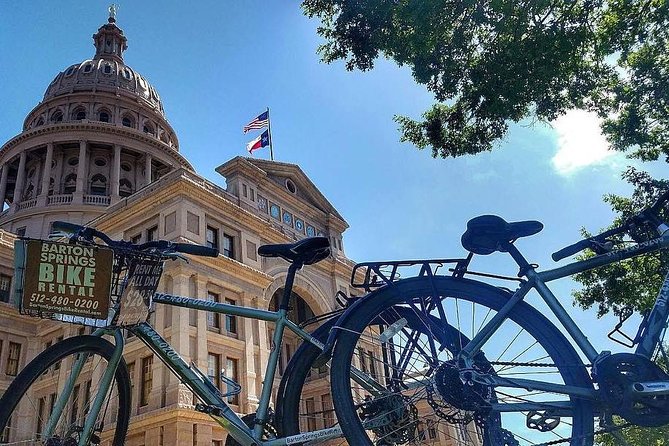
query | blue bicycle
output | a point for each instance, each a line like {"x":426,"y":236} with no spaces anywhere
{"x":453,"y":360}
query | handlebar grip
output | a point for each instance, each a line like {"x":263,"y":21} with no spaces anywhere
{"x":64,"y":226}
{"x":571,"y":249}
{"x":197,"y":250}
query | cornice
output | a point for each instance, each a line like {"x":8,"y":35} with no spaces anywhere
{"x":97,"y":128}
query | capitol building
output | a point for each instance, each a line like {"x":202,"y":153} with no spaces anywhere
{"x":99,"y":150}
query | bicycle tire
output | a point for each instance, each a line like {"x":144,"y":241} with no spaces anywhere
{"x":41,"y":366}
{"x":498,"y":430}
{"x":289,"y":413}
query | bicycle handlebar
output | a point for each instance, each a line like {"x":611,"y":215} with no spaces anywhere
{"x":648,"y":214}
{"x":161,"y":245}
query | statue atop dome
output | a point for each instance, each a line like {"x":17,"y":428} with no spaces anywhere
{"x":112,"y":12}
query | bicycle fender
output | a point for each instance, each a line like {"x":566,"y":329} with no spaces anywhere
{"x":324,"y":357}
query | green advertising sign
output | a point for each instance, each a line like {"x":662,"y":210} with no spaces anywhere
{"x":67,"y":279}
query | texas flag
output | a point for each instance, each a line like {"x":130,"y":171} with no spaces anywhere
{"x":258,"y":143}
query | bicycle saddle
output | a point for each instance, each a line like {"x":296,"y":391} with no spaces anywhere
{"x":488,"y":233}
{"x":306,"y":251}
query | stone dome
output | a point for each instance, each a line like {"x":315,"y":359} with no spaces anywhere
{"x":106,"y":72}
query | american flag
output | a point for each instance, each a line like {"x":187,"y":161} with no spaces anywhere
{"x":259,"y":122}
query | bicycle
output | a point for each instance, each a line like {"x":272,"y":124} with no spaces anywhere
{"x":463,"y":360}
{"x":94,"y":375}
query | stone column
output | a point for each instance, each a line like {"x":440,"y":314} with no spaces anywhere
{"x":20,"y":179}
{"x":147,"y":170}
{"x":82,"y":170}
{"x":3,"y":185}
{"x":116,"y":174}
{"x":46,"y":176}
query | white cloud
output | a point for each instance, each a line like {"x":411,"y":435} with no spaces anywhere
{"x":580,"y":142}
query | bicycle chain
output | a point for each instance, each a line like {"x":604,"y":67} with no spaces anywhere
{"x":536,"y":364}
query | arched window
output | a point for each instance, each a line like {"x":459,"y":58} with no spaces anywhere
{"x":127,"y":121}
{"x":125,"y":188}
{"x":148,"y":128}
{"x":57,"y":116}
{"x":79,"y":114}
{"x":39,"y":122}
{"x":70,"y":183}
{"x":104,"y":116}
{"x":299,"y":311}
{"x":98,"y":185}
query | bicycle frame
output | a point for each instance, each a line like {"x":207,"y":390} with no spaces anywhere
{"x":648,"y":341}
{"x":214,"y":401}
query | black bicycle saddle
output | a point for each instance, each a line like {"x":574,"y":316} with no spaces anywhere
{"x":306,"y":251}
{"x":489,"y":233}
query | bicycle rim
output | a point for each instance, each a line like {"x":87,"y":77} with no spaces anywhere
{"x":28,"y":403}
{"x":425,"y":400}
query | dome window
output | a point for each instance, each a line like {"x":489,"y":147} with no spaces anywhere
{"x":127,"y":121}
{"x":127,"y":74}
{"x":104,"y":116}
{"x":99,"y":185}
{"x":125,"y":188}
{"x":88,"y":67}
{"x":73,"y":161}
{"x":57,"y":116}
{"x":69,"y":71}
{"x":126,"y":167}
{"x":148,"y":129}
{"x":100,"y":162}
{"x":70,"y":184}
{"x":39,"y":122}
{"x":79,"y":114}
{"x":107,"y":69}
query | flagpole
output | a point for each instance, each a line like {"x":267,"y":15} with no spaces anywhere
{"x":269,"y":131}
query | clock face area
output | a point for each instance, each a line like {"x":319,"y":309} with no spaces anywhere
{"x":288,"y":218}
{"x":299,"y":225}
{"x":311,"y":231}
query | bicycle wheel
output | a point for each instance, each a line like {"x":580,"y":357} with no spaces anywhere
{"x":27,"y":404}
{"x":428,"y":397}
{"x":300,"y":403}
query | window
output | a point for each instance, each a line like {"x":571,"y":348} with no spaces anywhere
{"x":99,"y":185}
{"x":21,"y":232}
{"x":88,"y":67}
{"x":310,"y":407}
{"x":328,"y":411}
{"x":148,"y":129}
{"x":194,"y":434}
{"x":127,"y":121}
{"x":212,"y":237}
{"x":104,"y":116}
{"x":213,"y":319}
{"x":232,"y":372}
{"x":107,"y":69}
{"x":230,"y":320}
{"x":6,"y":282}
{"x":79,"y":114}
{"x":40,"y":414}
{"x":228,"y":246}
{"x":431,"y":429}
{"x":70,"y":184}
{"x":136,"y":239}
{"x":57,"y":117}
{"x":147,"y":380}
{"x":13,"y":359}
{"x":214,"y":369}
{"x":152,"y":234}
{"x":216,"y":442}
{"x":125,"y":187}
{"x":74,"y":409}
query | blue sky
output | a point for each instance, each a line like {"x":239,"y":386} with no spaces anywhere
{"x":217,"y":64}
